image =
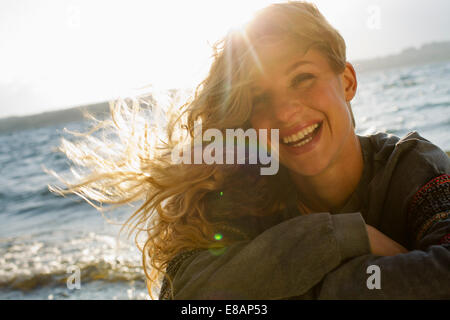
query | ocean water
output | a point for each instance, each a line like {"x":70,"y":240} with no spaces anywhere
{"x":43,"y":236}
{"x":406,"y":99}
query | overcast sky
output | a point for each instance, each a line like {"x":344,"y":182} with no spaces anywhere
{"x":61,"y":53}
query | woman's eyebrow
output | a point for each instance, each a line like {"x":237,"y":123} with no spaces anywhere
{"x":257,"y":90}
{"x":296,"y":64}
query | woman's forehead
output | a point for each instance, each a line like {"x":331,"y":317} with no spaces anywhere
{"x":279,"y":51}
{"x":278,"y":58}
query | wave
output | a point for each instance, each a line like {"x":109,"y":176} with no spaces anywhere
{"x":27,"y":264}
{"x":430,"y":106}
{"x":106,"y":271}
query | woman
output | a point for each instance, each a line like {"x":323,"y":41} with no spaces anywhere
{"x":340,"y":203}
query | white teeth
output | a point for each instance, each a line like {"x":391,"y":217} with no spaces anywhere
{"x":300,"y":135}
{"x":302,"y":143}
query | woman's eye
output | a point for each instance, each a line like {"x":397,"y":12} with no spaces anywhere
{"x":302,"y":77}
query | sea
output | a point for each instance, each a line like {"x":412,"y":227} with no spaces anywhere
{"x":54,"y":247}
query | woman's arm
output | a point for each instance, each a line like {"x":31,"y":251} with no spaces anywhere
{"x":411,"y":188}
{"x":423,"y":273}
{"x":382,"y":245}
{"x":418,"y":274}
{"x":284,"y":261}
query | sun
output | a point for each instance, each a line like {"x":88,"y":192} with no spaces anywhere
{"x":233,"y":14}
{"x":239,"y":14}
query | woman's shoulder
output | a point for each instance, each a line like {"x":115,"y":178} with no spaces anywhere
{"x":412,"y":150}
{"x":405,"y":163}
{"x":401,"y":168}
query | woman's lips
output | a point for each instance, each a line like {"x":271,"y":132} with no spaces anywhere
{"x":308,"y":143}
{"x":288,"y":132}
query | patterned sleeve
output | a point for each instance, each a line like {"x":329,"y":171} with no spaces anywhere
{"x":428,"y":212}
{"x":422,"y":273}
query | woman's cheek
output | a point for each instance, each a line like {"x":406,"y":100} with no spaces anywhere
{"x":323,"y":97}
{"x":316,"y":96}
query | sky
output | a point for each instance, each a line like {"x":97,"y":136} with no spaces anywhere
{"x":56,"y":54}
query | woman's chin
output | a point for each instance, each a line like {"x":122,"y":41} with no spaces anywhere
{"x":308,"y":172}
{"x":309,"y":169}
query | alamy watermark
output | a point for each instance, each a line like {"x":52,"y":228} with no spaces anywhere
{"x":74,"y":280}
{"x":374,"y":281}
{"x":214,"y":151}
{"x":374,"y":18}
{"x":73,"y":15}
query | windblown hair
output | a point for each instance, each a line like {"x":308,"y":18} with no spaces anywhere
{"x":179,"y":207}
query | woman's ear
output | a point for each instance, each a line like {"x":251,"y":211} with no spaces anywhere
{"x":349,"y":81}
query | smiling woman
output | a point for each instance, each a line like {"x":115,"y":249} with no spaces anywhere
{"x":340,"y":203}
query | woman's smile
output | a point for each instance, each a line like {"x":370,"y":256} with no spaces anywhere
{"x":304,"y":138}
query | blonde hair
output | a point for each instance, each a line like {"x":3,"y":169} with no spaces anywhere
{"x":180,"y":206}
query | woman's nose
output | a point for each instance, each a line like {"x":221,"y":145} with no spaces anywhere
{"x":284,"y":106}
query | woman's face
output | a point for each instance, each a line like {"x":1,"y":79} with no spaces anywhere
{"x":301,"y":95}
